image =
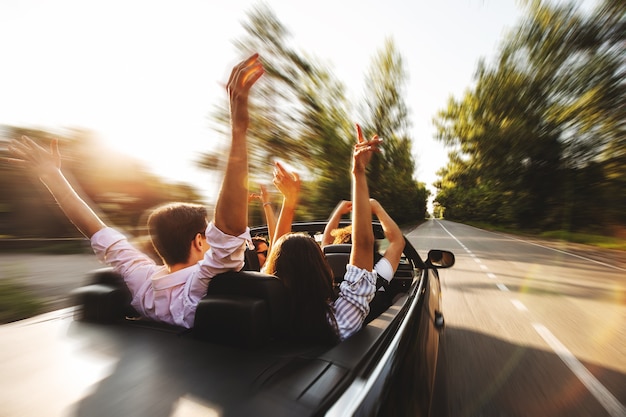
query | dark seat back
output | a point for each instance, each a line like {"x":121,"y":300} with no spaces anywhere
{"x":106,"y":299}
{"x":251,"y":261}
{"x":244,"y":308}
{"x":338,"y":256}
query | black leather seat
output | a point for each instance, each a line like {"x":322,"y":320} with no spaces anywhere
{"x":245,"y":308}
{"x":338,"y":256}
{"x":105,"y":300}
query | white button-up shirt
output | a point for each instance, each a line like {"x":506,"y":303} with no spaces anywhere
{"x":169,"y":297}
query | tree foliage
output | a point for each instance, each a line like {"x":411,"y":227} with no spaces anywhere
{"x":539,"y":140}
{"x":300,"y":114}
{"x":391,"y":180}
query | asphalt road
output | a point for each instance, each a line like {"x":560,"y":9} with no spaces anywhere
{"x":532,"y":328}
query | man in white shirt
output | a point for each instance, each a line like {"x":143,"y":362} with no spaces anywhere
{"x":192,"y":249}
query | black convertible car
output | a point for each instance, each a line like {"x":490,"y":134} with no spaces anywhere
{"x":99,"y":359}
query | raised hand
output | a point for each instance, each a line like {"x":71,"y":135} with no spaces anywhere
{"x":363,"y":150}
{"x":263,"y":196}
{"x":344,"y":207}
{"x":231,"y":208}
{"x":288,"y":183}
{"x":362,"y":235}
{"x":29,"y":155}
{"x":242,"y":78}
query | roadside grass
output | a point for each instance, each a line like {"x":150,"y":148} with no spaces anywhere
{"x":601,"y":241}
{"x":606,"y":242}
{"x":17,"y":302}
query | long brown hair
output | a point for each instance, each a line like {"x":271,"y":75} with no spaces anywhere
{"x":299,"y":262}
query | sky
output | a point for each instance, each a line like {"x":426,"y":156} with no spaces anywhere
{"x":145,"y":74}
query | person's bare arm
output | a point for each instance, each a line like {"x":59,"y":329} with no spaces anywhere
{"x":288,"y":183}
{"x":362,"y":255}
{"x":231,"y":208}
{"x":47,"y":166}
{"x":392,"y":233}
{"x":270,"y":216}
{"x":343,"y":207}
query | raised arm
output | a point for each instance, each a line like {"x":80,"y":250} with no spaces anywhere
{"x":362,"y":255}
{"x":392,"y":233}
{"x":288,"y":183}
{"x":270,"y":216}
{"x":343,"y":207}
{"x":47,"y":166}
{"x":231,"y":208}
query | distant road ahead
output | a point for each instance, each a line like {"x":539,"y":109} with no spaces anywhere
{"x":532,"y":329}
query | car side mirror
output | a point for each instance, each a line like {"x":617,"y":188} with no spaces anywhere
{"x":440,"y":258}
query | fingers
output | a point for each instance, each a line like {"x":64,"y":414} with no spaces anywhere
{"x":285,"y":181}
{"x":54,"y":148}
{"x":371,"y":145}
{"x":281,"y":172}
{"x":15,"y":162}
{"x":244,"y":75}
{"x":29,"y":145}
{"x":361,"y":142}
{"x":359,"y":133}
{"x":237,"y":69}
{"x":279,"y":169}
{"x":16,"y":149}
{"x":26,"y":145}
{"x":363,"y":151}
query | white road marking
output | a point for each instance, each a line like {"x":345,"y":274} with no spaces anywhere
{"x":483,"y":267}
{"x":603,"y":395}
{"x":599,"y":391}
{"x":454,"y":237}
{"x":537,"y":244}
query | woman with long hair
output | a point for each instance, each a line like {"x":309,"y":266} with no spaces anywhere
{"x":316,"y":314}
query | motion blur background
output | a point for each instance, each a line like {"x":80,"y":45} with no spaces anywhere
{"x":501,"y":112}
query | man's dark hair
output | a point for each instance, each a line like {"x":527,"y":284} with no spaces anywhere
{"x":173,"y":226}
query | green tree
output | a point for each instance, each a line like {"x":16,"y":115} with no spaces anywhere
{"x":300,"y":114}
{"x":541,"y":134}
{"x":391,"y":179}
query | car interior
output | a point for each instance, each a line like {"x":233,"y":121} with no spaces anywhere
{"x":242,"y":318}
{"x":245,"y":308}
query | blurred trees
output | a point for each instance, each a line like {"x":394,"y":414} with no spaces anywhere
{"x":117,"y":186}
{"x":540,"y":140}
{"x":391,"y":177}
{"x":300,"y":115}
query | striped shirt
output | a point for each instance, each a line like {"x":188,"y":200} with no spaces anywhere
{"x":353,"y":304}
